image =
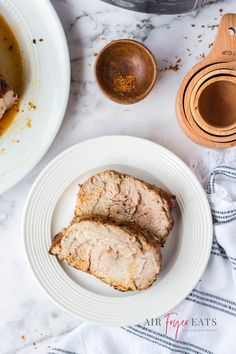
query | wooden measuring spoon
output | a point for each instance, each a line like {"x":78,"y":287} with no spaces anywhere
{"x":221,"y":52}
{"x":213,"y":104}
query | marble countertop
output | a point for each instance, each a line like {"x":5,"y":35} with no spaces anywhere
{"x":29,"y":321}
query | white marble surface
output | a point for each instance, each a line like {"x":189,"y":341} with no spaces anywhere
{"x":24,"y":309}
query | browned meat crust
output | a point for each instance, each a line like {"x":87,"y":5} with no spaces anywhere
{"x":125,"y":198}
{"x":122,"y":256}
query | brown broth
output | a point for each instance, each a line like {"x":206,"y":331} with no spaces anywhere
{"x":11,"y":67}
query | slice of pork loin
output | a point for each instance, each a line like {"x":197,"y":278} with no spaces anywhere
{"x":121,"y":256}
{"x":124,"y":198}
{"x":8,"y":97}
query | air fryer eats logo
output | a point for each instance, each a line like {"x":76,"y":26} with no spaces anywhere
{"x":172,"y":324}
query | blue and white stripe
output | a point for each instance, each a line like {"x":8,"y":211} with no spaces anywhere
{"x":177,"y":346}
{"x":61,"y":351}
{"x":213,"y":301}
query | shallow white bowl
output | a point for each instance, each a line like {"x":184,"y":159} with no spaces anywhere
{"x":47,"y":76}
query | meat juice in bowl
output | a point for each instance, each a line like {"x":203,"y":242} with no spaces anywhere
{"x":11,"y":75}
{"x":20,"y":68}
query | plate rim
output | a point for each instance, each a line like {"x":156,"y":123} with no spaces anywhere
{"x":25,"y":171}
{"x":67,"y":151}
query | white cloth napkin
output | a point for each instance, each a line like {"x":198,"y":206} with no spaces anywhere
{"x":207,"y":317}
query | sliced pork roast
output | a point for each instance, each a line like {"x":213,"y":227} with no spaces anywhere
{"x":124,"y":198}
{"x":126,"y":258}
{"x":8,"y":97}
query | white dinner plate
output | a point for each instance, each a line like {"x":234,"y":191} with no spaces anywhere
{"x":50,"y":206}
{"x":47,"y":81}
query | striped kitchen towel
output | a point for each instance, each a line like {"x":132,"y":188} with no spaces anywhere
{"x":205,"y":322}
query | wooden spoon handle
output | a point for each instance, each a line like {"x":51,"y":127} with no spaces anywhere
{"x":224,"y":46}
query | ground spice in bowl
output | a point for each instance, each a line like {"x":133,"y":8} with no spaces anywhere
{"x":124,"y":85}
{"x":125,"y":71}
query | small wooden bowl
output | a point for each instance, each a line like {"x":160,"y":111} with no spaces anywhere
{"x":213,"y":105}
{"x":125,"y":71}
